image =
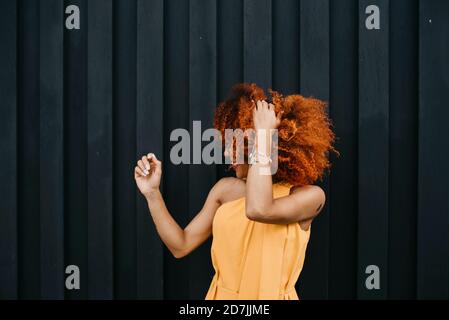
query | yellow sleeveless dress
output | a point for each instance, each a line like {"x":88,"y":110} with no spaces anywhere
{"x":254,"y":260}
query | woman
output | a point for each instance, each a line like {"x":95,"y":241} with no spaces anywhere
{"x":260,"y":223}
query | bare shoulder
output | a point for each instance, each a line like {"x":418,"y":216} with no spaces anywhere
{"x":227,"y":189}
{"x":311,"y":198}
{"x":314,"y":190}
{"x":312,"y":193}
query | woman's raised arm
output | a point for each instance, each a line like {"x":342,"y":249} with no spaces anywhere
{"x":302,"y":205}
{"x":179,"y":241}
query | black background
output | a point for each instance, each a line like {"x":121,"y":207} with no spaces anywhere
{"x":78,"y":107}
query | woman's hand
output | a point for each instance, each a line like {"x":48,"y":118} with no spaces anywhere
{"x":148,"y":174}
{"x":264,"y":116}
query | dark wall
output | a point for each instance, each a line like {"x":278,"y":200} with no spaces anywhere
{"x":78,"y":107}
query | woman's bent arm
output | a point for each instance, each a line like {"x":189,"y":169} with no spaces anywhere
{"x":179,"y":241}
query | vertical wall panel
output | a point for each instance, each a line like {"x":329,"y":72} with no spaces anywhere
{"x":51,"y":150}
{"x":176,"y":115}
{"x":150,"y":135}
{"x":257,"y":64}
{"x":99,"y":152}
{"x":28,"y":151}
{"x":343,"y":182}
{"x":285,"y":46}
{"x":202,"y":99}
{"x":124,"y":130}
{"x":433,"y":171}
{"x":229,"y":53}
{"x":403,"y":149}
{"x":229,"y":45}
{"x":314,"y":48}
{"x":75,"y":152}
{"x":8,"y":150}
{"x":314,"y":81}
{"x":373,"y":149}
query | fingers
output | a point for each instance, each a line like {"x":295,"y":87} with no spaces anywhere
{"x":278,"y":118}
{"x":146,"y":163}
{"x":153,"y":160}
{"x":155,"y":163}
{"x":138,"y":172}
{"x":151,"y":157}
{"x":262,"y":105}
{"x":265,"y":105}
{"x":279,"y":115}
{"x":141,"y":165}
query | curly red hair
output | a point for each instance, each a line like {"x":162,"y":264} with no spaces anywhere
{"x":305,"y":131}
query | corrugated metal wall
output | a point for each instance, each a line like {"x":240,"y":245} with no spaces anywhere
{"x":79,"y":106}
